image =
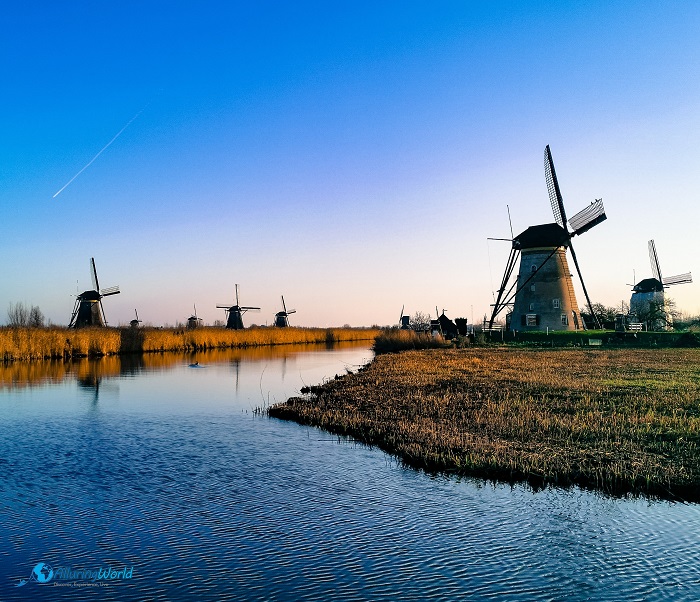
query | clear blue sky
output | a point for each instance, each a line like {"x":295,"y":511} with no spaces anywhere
{"x":351,"y":156}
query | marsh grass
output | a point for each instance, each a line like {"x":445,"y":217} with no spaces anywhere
{"x":53,"y":343}
{"x":620,"y":421}
{"x":393,"y":339}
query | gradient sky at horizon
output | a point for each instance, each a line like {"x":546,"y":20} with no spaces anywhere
{"x":353,"y":157}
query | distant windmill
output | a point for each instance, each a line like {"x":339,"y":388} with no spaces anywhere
{"x":193,"y":321}
{"x":88,"y":310}
{"x":135,"y":323}
{"x":648,"y":294}
{"x":281,"y":316}
{"x":404,"y":321}
{"x":235,"y":313}
{"x":542,"y":296}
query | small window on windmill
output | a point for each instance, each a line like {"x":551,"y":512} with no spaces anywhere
{"x":564,"y":320}
{"x":531,"y":320}
{"x":532,"y":288}
{"x":533,"y":269}
{"x":555,"y":303}
{"x":532,"y":307}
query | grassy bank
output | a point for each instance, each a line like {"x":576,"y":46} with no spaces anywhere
{"x":620,"y":421}
{"x":605,"y":338}
{"x":54,"y":343}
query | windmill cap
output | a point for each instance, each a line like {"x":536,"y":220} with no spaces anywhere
{"x":648,"y":285}
{"x":544,"y":235}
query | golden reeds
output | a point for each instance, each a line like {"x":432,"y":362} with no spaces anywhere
{"x":53,"y":343}
{"x":620,"y":421}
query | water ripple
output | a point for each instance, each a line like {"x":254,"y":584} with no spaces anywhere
{"x":224,"y":505}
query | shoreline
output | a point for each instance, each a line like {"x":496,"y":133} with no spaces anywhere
{"x":622,"y":422}
{"x":39,"y":344}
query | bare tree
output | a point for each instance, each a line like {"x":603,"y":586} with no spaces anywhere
{"x":420,"y":321}
{"x":19,"y":315}
{"x":36,"y":317}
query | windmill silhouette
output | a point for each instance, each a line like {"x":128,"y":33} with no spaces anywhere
{"x":193,"y":321}
{"x":648,"y":297}
{"x":235,"y":313}
{"x":88,"y":310}
{"x":135,"y":323}
{"x":542,"y":297}
{"x":281,"y":317}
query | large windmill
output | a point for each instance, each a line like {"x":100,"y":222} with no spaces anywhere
{"x":88,"y":310}
{"x":281,"y":319}
{"x":648,"y":299}
{"x":235,"y":313}
{"x":542,"y":297}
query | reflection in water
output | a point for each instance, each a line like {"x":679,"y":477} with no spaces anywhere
{"x":90,"y":372}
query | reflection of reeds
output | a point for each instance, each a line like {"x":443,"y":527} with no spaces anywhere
{"x":47,"y":343}
{"x":22,"y":374}
{"x":619,"y":421}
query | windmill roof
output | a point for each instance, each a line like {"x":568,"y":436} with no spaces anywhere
{"x":543,"y":235}
{"x":648,"y":285}
{"x":90,"y":296}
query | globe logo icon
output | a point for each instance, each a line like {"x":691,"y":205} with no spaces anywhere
{"x":42,"y":573}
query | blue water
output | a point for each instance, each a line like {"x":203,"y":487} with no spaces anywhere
{"x":168,"y":472}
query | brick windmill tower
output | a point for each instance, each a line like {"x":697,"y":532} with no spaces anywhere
{"x":542,"y":296}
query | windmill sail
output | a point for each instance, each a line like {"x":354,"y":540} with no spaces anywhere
{"x":555,"y":197}
{"x":680,"y":279}
{"x":587,"y":218}
{"x":93,"y":275}
{"x":654,"y":260}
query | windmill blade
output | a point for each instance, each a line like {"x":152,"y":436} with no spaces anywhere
{"x":93,"y":275}
{"x":284,"y":307}
{"x":246,"y":308}
{"x":292,"y":311}
{"x":680,"y":279}
{"x":102,"y":309}
{"x":583,"y":285}
{"x":591,"y":216}
{"x":555,"y":197}
{"x":654,"y":259}
{"x":137,"y":315}
{"x":112,"y":290}
{"x":237,"y":295}
{"x":401,"y":316}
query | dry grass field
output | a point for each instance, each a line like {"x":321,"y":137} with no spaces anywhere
{"x":619,"y":421}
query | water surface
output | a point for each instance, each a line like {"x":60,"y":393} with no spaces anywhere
{"x":165,"y":468}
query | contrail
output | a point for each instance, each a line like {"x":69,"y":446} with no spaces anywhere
{"x":119,"y":133}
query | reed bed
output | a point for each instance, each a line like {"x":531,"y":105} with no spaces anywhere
{"x":394,"y":339}
{"x":53,"y":343}
{"x":619,"y":421}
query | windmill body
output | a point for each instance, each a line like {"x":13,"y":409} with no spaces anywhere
{"x":546,"y":298}
{"x":234,"y":319}
{"x":88,"y":310}
{"x":648,"y":302}
{"x":542,"y":296}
